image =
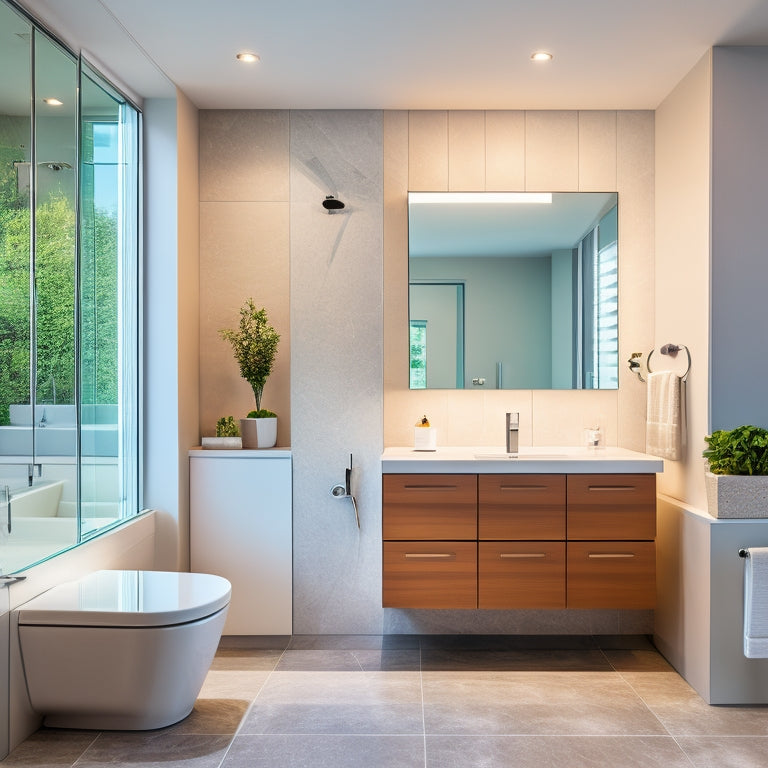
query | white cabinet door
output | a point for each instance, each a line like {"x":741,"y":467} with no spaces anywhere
{"x":241,"y":528}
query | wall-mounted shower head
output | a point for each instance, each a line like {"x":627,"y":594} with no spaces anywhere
{"x":331,"y":204}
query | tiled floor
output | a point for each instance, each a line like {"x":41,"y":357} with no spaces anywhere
{"x":433,"y":702}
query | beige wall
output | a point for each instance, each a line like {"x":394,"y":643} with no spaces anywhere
{"x":553,"y":150}
{"x":244,"y":228}
{"x":683,"y":140}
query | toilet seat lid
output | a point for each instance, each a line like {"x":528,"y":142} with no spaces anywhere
{"x":128,"y":599}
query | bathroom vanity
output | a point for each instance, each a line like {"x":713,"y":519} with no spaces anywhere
{"x":550,"y":528}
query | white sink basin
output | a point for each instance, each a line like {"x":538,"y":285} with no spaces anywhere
{"x":520,"y":456}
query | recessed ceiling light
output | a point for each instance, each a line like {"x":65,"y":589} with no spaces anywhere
{"x":53,"y":102}
{"x":541,"y":56}
{"x":249,"y":58}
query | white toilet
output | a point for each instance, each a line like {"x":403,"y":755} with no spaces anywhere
{"x":121,"y":650}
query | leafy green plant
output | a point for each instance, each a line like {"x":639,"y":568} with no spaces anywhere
{"x":227,"y":427}
{"x":262,"y":413}
{"x":255,"y":345}
{"x":739,"y":451}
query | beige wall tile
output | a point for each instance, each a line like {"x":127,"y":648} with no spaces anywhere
{"x":243,"y":155}
{"x":635,"y":183}
{"x":597,"y":151}
{"x":551,"y":151}
{"x":244,"y":253}
{"x":505,"y":151}
{"x":559,"y":416}
{"x":466,"y":151}
{"x":427,"y":151}
{"x":395,"y":268}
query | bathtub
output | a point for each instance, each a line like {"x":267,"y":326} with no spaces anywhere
{"x":42,"y":500}
{"x":33,"y":539}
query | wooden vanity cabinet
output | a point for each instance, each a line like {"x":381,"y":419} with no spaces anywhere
{"x":521,"y":507}
{"x":521,"y":574}
{"x":429,"y":526}
{"x":515,"y":541}
{"x":521,"y":548}
{"x":611,"y":549}
{"x":429,"y":507}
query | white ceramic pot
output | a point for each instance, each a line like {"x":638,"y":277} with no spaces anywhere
{"x":259,"y":433}
{"x":737,"y":496}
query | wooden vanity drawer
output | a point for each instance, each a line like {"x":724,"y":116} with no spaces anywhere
{"x":439,"y":507}
{"x":514,"y":574}
{"x":611,"y":507}
{"x":429,"y":574}
{"x":611,"y":574}
{"x":529,"y":507}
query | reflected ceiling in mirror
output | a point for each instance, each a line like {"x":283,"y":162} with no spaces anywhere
{"x":513,"y":290}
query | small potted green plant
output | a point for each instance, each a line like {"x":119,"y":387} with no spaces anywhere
{"x":254,"y":343}
{"x":737,"y":480}
{"x":227,"y":435}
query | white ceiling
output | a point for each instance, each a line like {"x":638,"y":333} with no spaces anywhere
{"x":406,"y":54}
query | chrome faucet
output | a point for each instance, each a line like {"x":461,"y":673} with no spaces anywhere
{"x":513,"y":427}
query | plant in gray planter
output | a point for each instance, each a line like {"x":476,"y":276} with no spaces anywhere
{"x":737,"y":480}
{"x":254,"y":344}
{"x":227,"y":435}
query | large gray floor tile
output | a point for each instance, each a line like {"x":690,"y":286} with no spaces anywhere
{"x":692,"y":716}
{"x":233,"y":684}
{"x":212,"y":717}
{"x":354,"y":642}
{"x":584,"y":703}
{"x":554,"y":752}
{"x":726,"y":752}
{"x":245,"y":660}
{"x":51,"y":747}
{"x":510,"y":660}
{"x":338,"y":702}
{"x":158,"y":749}
{"x":326,"y":752}
{"x":350,"y":660}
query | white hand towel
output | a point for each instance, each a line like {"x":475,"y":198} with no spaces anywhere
{"x":665,"y":415}
{"x":756,"y":603}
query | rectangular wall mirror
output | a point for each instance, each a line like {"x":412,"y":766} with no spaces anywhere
{"x":513,"y":290}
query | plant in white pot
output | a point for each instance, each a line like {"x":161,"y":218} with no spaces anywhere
{"x":254,"y":343}
{"x":737,"y":480}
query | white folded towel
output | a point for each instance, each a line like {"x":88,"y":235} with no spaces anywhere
{"x":756,"y":603}
{"x":665,"y":415}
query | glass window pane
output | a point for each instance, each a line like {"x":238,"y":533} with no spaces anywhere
{"x":108,"y":305}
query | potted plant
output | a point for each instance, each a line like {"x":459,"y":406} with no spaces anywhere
{"x":737,"y":480}
{"x":254,"y":344}
{"x":227,"y":435}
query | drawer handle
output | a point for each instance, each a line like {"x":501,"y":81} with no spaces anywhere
{"x":611,"y":488}
{"x":522,"y":487}
{"x":610,"y":555}
{"x":430,"y":555}
{"x":430,"y":487}
{"x":521,"y":555}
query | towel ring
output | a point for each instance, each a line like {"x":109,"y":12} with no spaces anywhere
{"x":672,"y":350}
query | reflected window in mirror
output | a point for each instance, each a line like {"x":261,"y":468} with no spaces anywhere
{"x":539,"y":289}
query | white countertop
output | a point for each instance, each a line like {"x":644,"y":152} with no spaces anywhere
{"x":240,"y":453}
{"x":538,"y":460}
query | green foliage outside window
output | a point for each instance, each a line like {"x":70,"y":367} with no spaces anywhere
{"x":55,"y":299}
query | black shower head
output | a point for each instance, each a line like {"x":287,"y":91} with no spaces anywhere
{"x":332,"y":204}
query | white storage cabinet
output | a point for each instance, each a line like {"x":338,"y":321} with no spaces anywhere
{"x":241,"y":528}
